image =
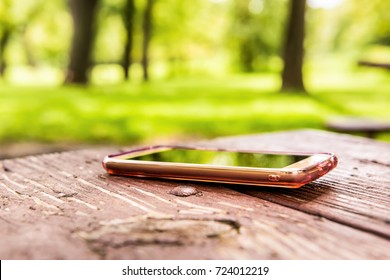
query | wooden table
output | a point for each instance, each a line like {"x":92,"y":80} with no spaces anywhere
{"x":64,"y":206}
{"x":368,"y":127}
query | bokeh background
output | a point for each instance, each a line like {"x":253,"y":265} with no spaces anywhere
{"x":77,"y":73}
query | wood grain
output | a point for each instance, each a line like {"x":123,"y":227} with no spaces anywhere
{"x":356,"y":193}
{"x":64,"y":206}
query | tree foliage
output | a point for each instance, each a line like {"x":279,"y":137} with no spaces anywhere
{"x":187,"y":36}
{"x":256,"y":32}
{"x":17,"y":20}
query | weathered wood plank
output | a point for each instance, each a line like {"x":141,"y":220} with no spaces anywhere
{"x":64,"y":206}
{"x":368,"y":127}
{"x":356,"y":193}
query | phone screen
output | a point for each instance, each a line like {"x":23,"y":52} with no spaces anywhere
{"x":221,"y":158}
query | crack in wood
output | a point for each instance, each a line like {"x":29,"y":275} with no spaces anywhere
{"x":66,"y":195}
{"x":341,"y":221}
{"x":374,"y":161}
{"x":157,"y":231}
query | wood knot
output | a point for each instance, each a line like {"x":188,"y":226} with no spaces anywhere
{"x":5,"y":168}
{"x":184,"y":191}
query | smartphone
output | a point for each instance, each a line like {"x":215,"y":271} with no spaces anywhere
{"x":258,"y":168}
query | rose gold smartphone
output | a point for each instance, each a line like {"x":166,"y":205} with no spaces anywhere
{"x":273,"y":169}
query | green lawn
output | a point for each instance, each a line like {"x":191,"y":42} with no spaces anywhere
{"x":187,"y":108}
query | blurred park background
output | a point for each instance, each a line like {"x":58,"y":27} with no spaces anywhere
{"x":121,"y":72}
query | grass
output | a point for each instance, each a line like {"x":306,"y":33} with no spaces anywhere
{"x":187,"y":108}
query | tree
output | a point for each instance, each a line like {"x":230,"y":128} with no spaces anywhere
{"x":4,"y":39}
{"x":128,"y":22}
{"x":256,"y":32}
{"x":244,"y":38}
{"x":13,"y":23}
{"x":179,"y":36}
{"x":147,"y":32}
{"x":7,"y":27}
{"x":83,"y":14}
{"x":292,"y":79}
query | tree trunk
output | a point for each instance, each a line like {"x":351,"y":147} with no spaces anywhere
{"x":292,"y":79}
{"x":147,"y":32}
{"x":3,"y":43}
{"x":243,"y":19}
{"x":83,"y":14}
{"x":128,"y":22}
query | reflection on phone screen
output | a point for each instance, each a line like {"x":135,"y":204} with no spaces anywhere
{"x":221,"y":158}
